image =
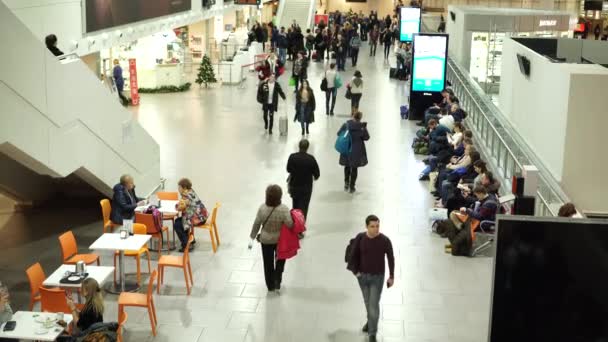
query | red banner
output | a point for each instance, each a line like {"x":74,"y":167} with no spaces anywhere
{"x":133,"y":82}
{"x":323,"y":17}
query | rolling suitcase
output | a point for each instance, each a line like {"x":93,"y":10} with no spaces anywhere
{"x":283,"y":125}
{"x":392,"y":73}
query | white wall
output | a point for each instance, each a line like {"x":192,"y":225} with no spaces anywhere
{"x":458,"y":37}
{"x":384,"y":7}
{"x":539,"y":107}
{"x":585,"y":158}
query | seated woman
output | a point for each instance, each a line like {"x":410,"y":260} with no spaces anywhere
{"x":92,"y":311}
{"x":456,"y":166}
{"x":6,"y":313}
{"x":192,"y":212}
{"x":455,"y":176}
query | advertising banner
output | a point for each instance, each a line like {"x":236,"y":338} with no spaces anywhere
{"x":133,"y":82}
{"x":429,"y":63}
{"x":409,"y":23}
{"x":321,"y":17}
{"x":248,"y":2}
{"x":103,"y":14}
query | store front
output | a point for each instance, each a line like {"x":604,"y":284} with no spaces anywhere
{"x":477,"y":35}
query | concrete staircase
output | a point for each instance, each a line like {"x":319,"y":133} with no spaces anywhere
{"x":302,"y":11}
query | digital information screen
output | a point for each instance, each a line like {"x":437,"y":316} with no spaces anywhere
{"x":429,"y":60}
{"x":409,"y":23}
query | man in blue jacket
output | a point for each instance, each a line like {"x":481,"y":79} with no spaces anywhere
{"x":119,"y":81}
{"x":124,"y":200}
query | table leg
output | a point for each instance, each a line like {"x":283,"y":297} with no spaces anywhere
{"x":123,"y":285}
{"x":121,"y":262}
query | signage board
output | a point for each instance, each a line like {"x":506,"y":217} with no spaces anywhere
{"x":409,"y":23}
{"x":133,"y":82}
{"x":429,"y":61}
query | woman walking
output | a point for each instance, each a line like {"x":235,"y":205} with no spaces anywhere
{"x":358,"y":155}
{"x":356,"y":91}
{"x":305,"y":106}
{"x":271,"y":216}
{"x":332,"y":90}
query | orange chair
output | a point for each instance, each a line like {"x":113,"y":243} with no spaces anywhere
{"x":211,"y":226}
{"x":140,"y":229}
{"x":167,"y":195}
{"x":148,"y":221}
{"x":53,"y":300}
{"x":69,"y":251}
{"x":106,"y":209}
{"x":140,"y":300}
{"x":35,"y":275}
{"x":122,"y":319}
{"x":182,"y":262}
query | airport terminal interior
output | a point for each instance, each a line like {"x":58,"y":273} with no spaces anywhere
{"x":73,"y":127}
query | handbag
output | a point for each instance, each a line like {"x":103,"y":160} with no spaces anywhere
{"x":348,"y":94}
{"x":263,"y":224}
{"x":324,"y":84}
{"x":343,"y":142}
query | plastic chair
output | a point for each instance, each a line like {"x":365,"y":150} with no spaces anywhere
{"x":69,"y":251}
{"x":211,"y":226}
{"x":148,"y":221}
{"x":122,"y":319}
{"x":167,"y":195}
{"x":35,"y":275}
{"x":140,"y":300}
{"x":53,"y":300}
{"x":106,"y":209}
{"x":182,"y":262}
{"x":140,"y":229}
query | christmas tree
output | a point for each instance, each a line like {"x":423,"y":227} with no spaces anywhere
{"x":205,"y":72}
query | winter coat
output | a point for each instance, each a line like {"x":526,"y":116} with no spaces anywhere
{"x":358,"y":135}
{"x":263,"y":91}
{"x":124,"y":203}
{"x":289,"y":242}
{"x":308,"y":115}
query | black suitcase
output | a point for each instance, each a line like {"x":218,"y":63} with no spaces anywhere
{"x":392,"y":73}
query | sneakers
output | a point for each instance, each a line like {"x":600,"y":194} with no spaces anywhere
{"x":372,"y":338}
{"x":352,"y":190}
{"x":364,"y":329}
{"x":423,"y":177}
{"x":346,"y":186}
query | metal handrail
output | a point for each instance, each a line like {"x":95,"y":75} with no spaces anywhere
{"x":160,"y":186}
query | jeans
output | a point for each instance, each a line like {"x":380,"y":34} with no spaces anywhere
{"x":123,"y":98}
{"x":432,"y":166}
{"x":340,"y":61}
{"x":301,"y":199}
{"x":387,"y":50}
{"x":273,"y":269}
{"x":178,"y":227}
{"x":331,"y":92}
{"x":354,"y":100}
{"x":371,"y":286}
{"x":350,"y":176}
{"x":320,"y":54}
{"x":268,"y":116}
{"x":372,"y":48}
{"x":354,"y":55}
{"x":282,"y":55}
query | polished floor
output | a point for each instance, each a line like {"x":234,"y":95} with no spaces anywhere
{"x":216,"y":138}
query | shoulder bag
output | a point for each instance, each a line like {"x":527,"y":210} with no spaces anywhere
{"x":263,"y":224}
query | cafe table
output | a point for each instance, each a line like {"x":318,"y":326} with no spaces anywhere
{"x":114,"y":242}
{"x":35,"y":326}
{"x":99,"y":273}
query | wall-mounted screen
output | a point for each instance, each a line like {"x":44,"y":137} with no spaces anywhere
{"x":429,"y":62}
{"x":550,"y":280}
{"x":103,"y":14}
{"x":409,"y":23}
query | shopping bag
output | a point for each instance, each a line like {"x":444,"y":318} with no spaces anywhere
{"x":338,"y":81}
{"x":292,"y":81}
{"x":343,"y":142}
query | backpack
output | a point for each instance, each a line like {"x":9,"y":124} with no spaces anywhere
{"x":344,"y":142}
{"x":297,"y":68}
{"x":348,"y":253}
{"x":355,"y":42}
{"x":158,"y":218}
{"x":404,"y":111}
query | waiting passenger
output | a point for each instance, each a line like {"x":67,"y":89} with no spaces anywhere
{"x":124,"y":200}
{"x":271,"y":216}
{"x":192,"y":213}
{"x":6,"y":313}
{"x":51,"y":44}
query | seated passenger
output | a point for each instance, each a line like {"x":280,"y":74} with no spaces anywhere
{"x":192,"y":212}
{"x":92,"y":311}
{"x":485,"y":210}
{"x":6,"y":313}
{"x":124,"y":200}
{"x":455,"y":138}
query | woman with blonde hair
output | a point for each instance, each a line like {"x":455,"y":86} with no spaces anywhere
{"x":92,"y":311}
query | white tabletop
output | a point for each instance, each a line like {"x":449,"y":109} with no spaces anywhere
{"x":27,"y":326}
{"x":111,"y":241}
{"x":99,"y":273}
{"x":166,"y":207}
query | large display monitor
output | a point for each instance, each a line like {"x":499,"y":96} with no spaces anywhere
{"x":429,"y":62}
{"x":103,"y":14}
{"x":550,"y":280}
{"x":409,"y":23}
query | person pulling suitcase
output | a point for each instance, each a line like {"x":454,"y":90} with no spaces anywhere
{"x":268,"y":96}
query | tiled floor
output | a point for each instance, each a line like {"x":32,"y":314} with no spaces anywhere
{"x":215,"y":137}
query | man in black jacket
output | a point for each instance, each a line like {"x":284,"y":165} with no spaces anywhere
{"x":268,"y":96}
{"x":124,"y":200}
{"x":303,"y":169}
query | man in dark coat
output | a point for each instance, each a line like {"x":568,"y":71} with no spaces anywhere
{"x":358,"y":155}
{"x":303,"y":169}
{"x":268,"y":96}
{"x":124,"y":200}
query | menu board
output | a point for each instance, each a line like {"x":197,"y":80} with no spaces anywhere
{"x":409,"y":23}
{"x":429,"y":62}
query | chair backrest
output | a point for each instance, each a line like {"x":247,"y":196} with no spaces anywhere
{"x":186,"y":258}
{"x":167,"y":195}
{"x":36,"y":276}
{"x":52,"y":300}
{"x":140,"y":229}
{"x":68,"y":245}
{"x":147,"y":220}
{"x":214,"y":212}
{"x":151,"y":286}
{"x":122,"y":319}
{"x":106,"y":209}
